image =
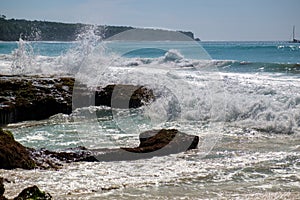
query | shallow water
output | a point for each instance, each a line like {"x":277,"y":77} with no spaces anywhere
{"x":243,"y":163}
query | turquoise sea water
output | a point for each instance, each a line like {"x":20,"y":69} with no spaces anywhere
{"x":273,"y":56}
{"x":241,"y":98}
{"x":268,"y":51}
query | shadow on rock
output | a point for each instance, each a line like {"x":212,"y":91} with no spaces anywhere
{"x":152,"y":143}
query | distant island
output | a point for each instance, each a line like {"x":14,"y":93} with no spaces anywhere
{"x":13,"y":29}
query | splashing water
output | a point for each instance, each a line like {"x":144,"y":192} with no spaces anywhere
{"x":23,"y":58}
{"x":248,"y":154}
{"x":27,"y":60}
{"x":88,"y":41}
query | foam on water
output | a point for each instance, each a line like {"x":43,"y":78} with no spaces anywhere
{"x":263,"y":102}
{"x":260,"y":99}
{"x":253,"y":163}
{"x":227,"y":103}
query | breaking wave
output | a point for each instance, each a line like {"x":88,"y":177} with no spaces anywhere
{"x":254,"y":95}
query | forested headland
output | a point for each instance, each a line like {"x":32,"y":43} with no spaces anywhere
{"x":13,"y":29}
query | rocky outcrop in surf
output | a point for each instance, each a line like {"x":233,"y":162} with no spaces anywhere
{"x":32,"y":192}
{"x":34,"y":98}
{"x":2,"y":189}
{"x":24,"y":98}
{"x":152,"y":143}
{"x":12,"y":153}
{"x":115,"y":96}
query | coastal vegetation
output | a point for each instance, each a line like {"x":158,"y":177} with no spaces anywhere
{"x":13,"y":29}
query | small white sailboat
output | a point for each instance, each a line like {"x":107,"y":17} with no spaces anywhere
{"x":294,"y":39}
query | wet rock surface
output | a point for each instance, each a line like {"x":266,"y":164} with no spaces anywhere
{"x":33,"y":193}
{"x":34,"y":98}
{"x":30,"y":193}
{"x":13,"y":154}
{"x":24,"y":98}
{"x":123,"y":96}
{"x":46,"y":159}
{"x":2,"y":189}
{"x":152,"y":143}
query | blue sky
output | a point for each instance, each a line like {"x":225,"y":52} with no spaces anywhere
{"x":208,"y":19}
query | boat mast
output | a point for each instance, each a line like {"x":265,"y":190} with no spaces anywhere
{"x":293,"y":32}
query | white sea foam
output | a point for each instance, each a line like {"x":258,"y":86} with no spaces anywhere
{"x":194,"y":97}
{"x":259,"y":101}
{"x":190,"y":89}
{"x":83,"y":180}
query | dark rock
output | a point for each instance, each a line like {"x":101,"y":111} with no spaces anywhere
{"x":157,"y":139}
{"x":162,"y":142}
{"x":33,"y":98}
{"x":2,"y":189}
{"x":33,"y":193}
{"x":123,"y":96}
{"x":152,"y":143}
{"x":12,"y":153}
{"x":46,"y":159}
{"x":25,"y":98}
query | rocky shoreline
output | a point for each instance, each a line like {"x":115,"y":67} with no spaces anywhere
{"x":152,"y":143}
{"x":30,"y":193}
{"x":33,"y":98}
{"x":24,"y":98}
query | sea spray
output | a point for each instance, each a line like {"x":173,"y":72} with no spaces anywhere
{"x":258,"y":103}
{"x":177,"y":98}
{"x":23,"y":58}
{"x":26,"y":59}
{"x":88,"y":41}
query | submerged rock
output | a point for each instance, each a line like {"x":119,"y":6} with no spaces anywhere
{"x":33,"y":193}
{"x":30,"y":193}
{"x":12,"y":153}
{"x":46,"y":159}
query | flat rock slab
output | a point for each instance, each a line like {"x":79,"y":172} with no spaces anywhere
{"x":34,"y":98}
{"x":24,"y":98}
{"x":152,"y":143}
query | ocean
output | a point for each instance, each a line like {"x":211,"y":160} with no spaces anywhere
{"x":241,"y":98}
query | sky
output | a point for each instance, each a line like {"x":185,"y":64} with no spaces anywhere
{"x":218,"y":20}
